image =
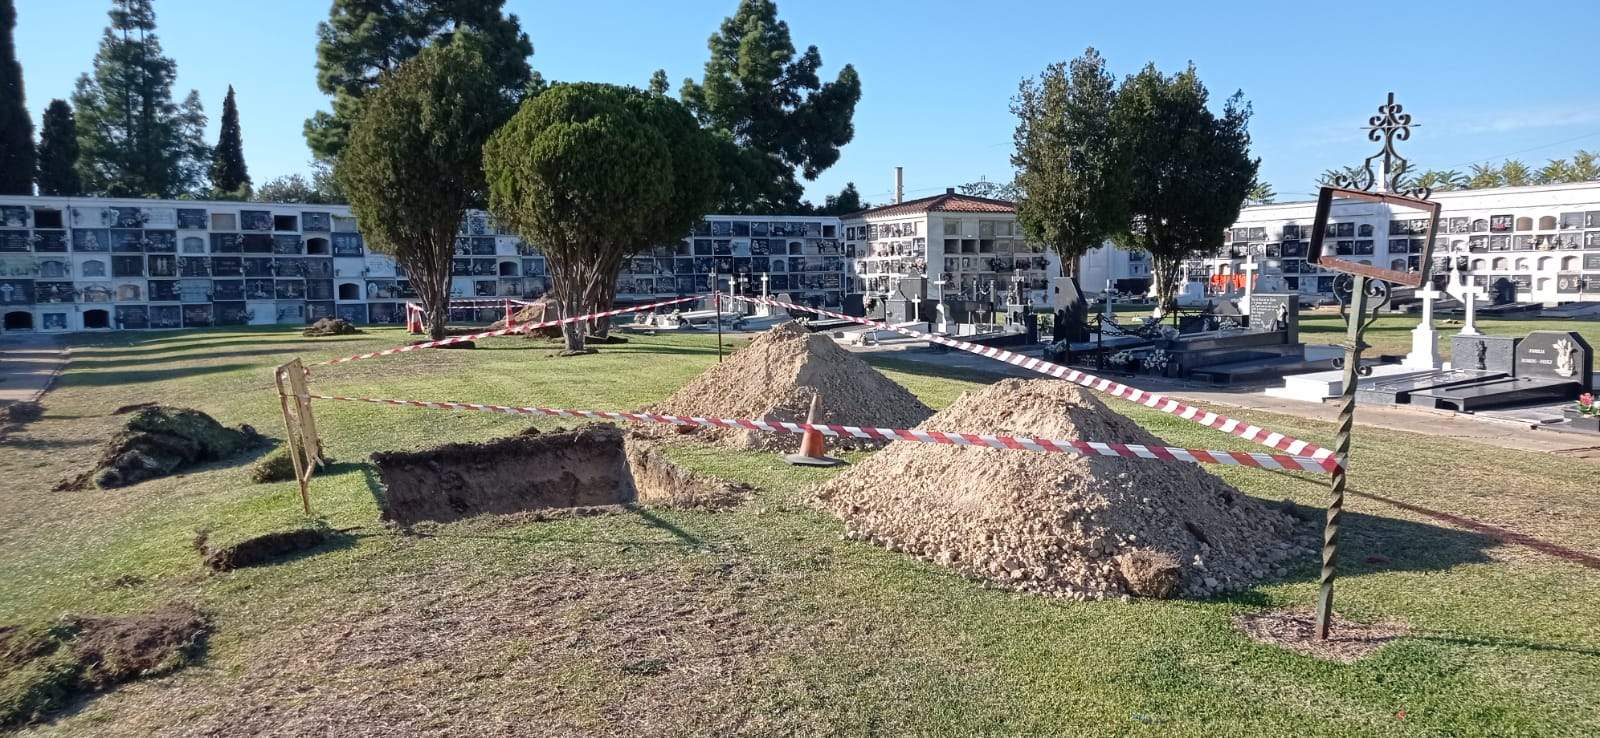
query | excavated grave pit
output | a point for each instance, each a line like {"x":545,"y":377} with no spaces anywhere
{"x":589,"y":467}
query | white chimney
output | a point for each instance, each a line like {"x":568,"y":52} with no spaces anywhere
{"x":899,"y":185}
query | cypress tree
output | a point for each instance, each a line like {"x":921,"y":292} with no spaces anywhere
{"x":229,"y":177}
{"x":769,"y":102}
{"x":16,"y":126}
{"x":58,"y":151}
{"x":363,"y":40}
{"x":134,"y":139}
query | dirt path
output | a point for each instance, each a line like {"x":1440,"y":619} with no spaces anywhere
{"x":28,"y":364}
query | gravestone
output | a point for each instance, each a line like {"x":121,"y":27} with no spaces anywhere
{"x":1276,"y":311}
{"x":1484,"y":353}
{"x":1557,"y":355}
{"x":1072,"y":311}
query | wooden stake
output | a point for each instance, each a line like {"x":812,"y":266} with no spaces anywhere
{"x":293,"y":429}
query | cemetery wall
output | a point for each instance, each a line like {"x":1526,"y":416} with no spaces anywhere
{"x":70,"y":264}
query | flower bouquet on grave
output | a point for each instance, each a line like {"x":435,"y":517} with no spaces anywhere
{"x":1584,"y":414}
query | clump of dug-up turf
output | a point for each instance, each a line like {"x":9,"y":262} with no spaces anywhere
{"x":1081,"y":527}
{"x":43,"y":668}
{"x":158,"y":441}
{"x":266,"y":549}
{"x":330,"y":327}
{"x":276,"y":467}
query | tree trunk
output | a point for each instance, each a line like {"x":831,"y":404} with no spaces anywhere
{"x":1164,"y":271}
{"x":601,"y":296}
{"x":438,"y":316}
{"x":572,"y":333}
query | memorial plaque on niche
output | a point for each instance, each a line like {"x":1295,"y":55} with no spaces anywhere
{"x":1568,"y":284}
{"x":1562,"y":355}
{"x":1591,"y":261}
{"x":1484,"y":353}
{"x":191,"y":219}
{"x":1275,"y":311}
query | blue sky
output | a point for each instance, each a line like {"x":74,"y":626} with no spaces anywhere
{"x":1485,"y":79}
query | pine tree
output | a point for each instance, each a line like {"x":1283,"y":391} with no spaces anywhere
{"x":16,"y":126}
{"x":778,"y":115}
{"x":658,"y":82}
{"x":230,"y":179}
{"x":58,"y":151}
{"x":134,"y":140}
{"x":362,"y":40}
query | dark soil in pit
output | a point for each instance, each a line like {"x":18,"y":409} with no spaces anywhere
{"x":1296,"y":630}
{"x":588,"y":467}
{"x":272,"y":548}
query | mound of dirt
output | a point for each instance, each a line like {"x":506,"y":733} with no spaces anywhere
{"x":45,"y":667}
{"x":1071,"y":526}
{"x":330,"y":327}
{"x":157,"y":441}
{"x":775,"y":377}
{"x":538,"y":311}
{"x":269,"y":548}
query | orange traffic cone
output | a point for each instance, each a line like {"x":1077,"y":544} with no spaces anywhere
{"x":811,"y":450}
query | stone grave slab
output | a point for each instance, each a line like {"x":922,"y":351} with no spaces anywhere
{"x":1550,"y":366}
{"x":1484,"y":353}
{"x":1399,"y":390}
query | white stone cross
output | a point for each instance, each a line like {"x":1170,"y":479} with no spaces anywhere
{"x":1470,"y":326}
{"x":1424,"y":339}
{"x":1249,"y":267}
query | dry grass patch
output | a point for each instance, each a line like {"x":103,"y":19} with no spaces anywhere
{"x":1296,"y":630}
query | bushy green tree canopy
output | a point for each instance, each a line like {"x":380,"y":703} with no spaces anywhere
{"x":414,"y":162}
{"x":774,"y":112}
{"x":58,"y":151}
{"x":1071,"y":159}
{"x":364,"y":39}
{"x":593,"y":173}
{"x":1189,"y":169}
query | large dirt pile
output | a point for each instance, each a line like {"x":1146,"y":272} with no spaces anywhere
{"x":776,"y":375}
{"x":538,"y":311}
{"x":157,"y":441}
{"x":1072,"y":526}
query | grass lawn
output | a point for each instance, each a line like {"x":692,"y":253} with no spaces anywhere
{"x":760,"y":619}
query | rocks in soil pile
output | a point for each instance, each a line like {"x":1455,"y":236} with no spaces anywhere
{"x":775,"y":376}
{"x":1085,"y":527}
{"x":330,"y":327}
{"x":44,"y":668}
{"x":158,"y":441}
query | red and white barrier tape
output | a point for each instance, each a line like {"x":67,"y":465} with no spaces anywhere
{"x":1285,"y":462}
{"x":522,"y":328}
{"x":1154,"y":400}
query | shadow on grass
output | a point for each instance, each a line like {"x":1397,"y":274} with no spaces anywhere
{"x":655,"y":521}
{"x":274,"y":350}
{"x":1479,"y":641}
{"x":113,"y":378}
{"x":1495,"y":535}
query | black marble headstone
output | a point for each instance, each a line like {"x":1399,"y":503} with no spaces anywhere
{"x":1484,"y":353}
{"x":1276,"y":311}
{"x":1558,"y":355}
{"x":1072,"y":315}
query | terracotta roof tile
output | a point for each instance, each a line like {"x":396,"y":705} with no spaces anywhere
{"x":949,"y":202}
